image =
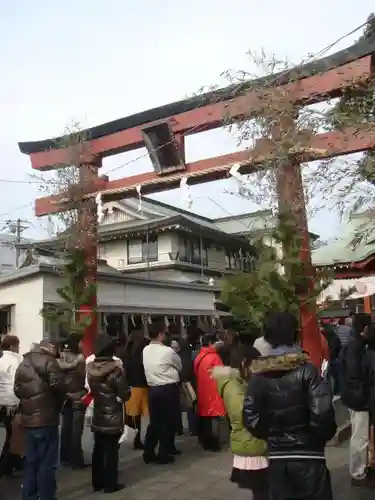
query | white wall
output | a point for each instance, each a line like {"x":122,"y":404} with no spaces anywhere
{"x":173,"y":298}
{"x":165,"y":245}
{"x":167,"y":275}
{"x":115,"y":253}
{"x":27,"y":297}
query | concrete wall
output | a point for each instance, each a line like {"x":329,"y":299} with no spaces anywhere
{"x":27,"y":297}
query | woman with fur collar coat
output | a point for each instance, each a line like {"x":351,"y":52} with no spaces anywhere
{"x":250,"y":464}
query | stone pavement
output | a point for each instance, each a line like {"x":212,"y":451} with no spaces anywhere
{"x":196,"y":475}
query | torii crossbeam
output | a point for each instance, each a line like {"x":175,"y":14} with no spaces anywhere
{"x":162,"y":130}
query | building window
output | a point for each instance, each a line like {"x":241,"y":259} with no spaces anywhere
{"x":150,"y":248}
{"x":233,"y":260}
{"x":193,"y":252}
{"x":143,"y":250}
{"x":134,"y":251}
{"x":5,"y":320}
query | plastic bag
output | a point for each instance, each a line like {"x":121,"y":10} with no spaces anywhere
{"x":89,"y":414}
{"x":128,"y":435}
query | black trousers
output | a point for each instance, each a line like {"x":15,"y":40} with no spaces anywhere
{"x":208,"y":432}
{"x":73,"y":419}
{"x":164,"y":406}
{"x":299,"y":480}
{"x":105,"y":461}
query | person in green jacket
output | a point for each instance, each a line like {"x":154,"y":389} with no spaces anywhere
{"x":250,"y":463}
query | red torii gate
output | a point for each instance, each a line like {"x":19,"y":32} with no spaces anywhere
{"x":162,"y":131}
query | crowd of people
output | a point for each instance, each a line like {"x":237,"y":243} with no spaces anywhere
{"x":275,"y":404}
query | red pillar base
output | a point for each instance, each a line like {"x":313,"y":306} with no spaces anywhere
{"x":311,"y":340}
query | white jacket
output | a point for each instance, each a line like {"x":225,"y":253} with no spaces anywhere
{"x":9,"y":362}
{"x":162,"y":364}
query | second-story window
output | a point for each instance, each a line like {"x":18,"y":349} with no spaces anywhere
{"x":192,"y":251}
{"x":143,"y":250}
{"x":233,"y":260}
{"x":150,"y":248}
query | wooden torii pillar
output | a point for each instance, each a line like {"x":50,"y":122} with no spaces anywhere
{"x":162,"y":131}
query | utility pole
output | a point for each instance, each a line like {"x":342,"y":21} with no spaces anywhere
{"x":17,"y":227}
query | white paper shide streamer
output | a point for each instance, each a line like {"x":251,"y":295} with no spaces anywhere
{"x":139,"y":191}
{"x":184,"y":186}
{"x":241,"y":179}
{"x":99,"y":207}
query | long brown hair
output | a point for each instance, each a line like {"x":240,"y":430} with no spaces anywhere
{"x":245,"y":355}
{"x":136,"y":342}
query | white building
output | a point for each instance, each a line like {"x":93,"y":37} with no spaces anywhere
{"x":26,"y":291}
{"x":164,"y":242}
{"x":8,"y":253}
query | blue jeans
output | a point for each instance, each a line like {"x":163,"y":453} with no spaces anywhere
{"x":42,"y":445}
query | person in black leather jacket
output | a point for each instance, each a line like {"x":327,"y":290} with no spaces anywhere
{"x":289,"y":405}
{"x":107,"y":380}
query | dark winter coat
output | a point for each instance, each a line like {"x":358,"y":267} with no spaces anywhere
{"x":358,"y":384}
{"x":186,"y":355}
{"x":334,"y":343}
{"x":110,"y":389}
{"x":133,"y":362}
{"x":39,"y":384}
{"x":74,"y":368}
{"x":289,"y":405}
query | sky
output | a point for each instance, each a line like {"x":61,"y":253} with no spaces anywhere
{"x":91,"y":61}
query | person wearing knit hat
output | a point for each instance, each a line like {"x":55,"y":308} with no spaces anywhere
{"x":109,"y":387}
{"x":73,"y":365}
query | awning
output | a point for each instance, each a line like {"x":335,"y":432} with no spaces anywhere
{"x":363,"y":288}
{"x":160,"y":311}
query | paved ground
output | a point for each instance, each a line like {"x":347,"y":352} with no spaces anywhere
{"x":196,"y":475}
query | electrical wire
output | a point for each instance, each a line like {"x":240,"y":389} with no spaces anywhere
{"x":16,"y":209}
{"x":195,"y":129}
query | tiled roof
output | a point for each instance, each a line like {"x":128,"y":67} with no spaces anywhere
{"x":356,"y":244}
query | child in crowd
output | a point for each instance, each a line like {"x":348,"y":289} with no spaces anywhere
{"x":250,"y":463}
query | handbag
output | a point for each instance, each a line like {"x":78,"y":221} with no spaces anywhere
{"x":128,"y":434}
{"x":189,"y":393}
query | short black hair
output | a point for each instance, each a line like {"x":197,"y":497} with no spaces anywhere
{"x":280,"y":328}
{"x":360,"y":322}
{"x":208,"y":339}
{"x":157,"y":327}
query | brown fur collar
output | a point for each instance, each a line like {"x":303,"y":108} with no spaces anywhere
{"x":284,"y":362}
{"x":100,"y":369}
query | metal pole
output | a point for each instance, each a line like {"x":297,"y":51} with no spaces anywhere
{"x":201,"y":253}
{"x":148,"y":253}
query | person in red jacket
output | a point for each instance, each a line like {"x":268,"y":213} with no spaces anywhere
{"x":210,"y":406}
